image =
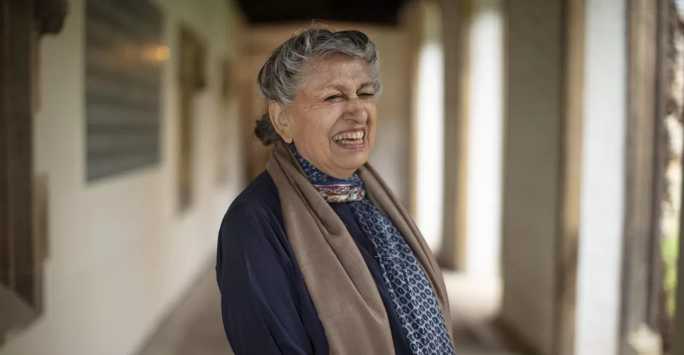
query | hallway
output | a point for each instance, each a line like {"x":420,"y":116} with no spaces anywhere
{"x":194,"y":326}
{"x":537,"y":144}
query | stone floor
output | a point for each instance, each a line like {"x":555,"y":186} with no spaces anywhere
{"x":474,"y":306}
{"x":194,"y":327}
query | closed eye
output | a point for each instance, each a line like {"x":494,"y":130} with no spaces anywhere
{"x":333,"y":98}
{"x":366,"y":94}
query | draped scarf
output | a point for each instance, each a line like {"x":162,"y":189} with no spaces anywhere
{"x":342,"y":288}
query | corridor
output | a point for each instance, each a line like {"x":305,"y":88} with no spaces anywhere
{"x":194,"y":325}
{"x":537,"y":144}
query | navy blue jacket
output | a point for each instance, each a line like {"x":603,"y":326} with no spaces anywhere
{"x":265,"y":305}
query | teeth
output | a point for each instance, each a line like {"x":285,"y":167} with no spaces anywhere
{"x":349,"y":135}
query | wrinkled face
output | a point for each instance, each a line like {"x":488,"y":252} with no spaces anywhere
{"x":332,"y":119}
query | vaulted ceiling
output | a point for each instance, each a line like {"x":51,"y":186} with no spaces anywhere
{"x":382,"y":12}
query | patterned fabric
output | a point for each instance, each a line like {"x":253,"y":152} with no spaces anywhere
{"x":413,"y":297}
{"x":340,"y":193}
{"x":332,"y":189}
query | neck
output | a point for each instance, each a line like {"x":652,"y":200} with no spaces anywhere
{"x":319,"y":175}
{"x":338,"y":175}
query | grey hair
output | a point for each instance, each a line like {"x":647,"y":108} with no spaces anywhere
{"x":279,"y":76}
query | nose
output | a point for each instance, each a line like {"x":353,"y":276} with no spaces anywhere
{"x":356,"y":111}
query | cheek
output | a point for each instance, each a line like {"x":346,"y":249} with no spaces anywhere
{"x":372,"y":111}
{"x":314,"y":134}
{"x":321,"y":125}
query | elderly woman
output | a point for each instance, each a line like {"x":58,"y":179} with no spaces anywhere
{"x":316,"y":256}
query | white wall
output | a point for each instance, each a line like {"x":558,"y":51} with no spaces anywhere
{"x":120,"y":253}
{"x":603,"y":174}
{"x":485,"y":139}
{"x":429,"y":124}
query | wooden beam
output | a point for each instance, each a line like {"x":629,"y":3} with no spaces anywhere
{"x":15,"y":147}
{"x":571,"y":170}
{"x":19,"y":145}
{"x":641,"y":202}
{"x":16,"y":252}
{"x":5,"y":241}
{"x":21,"y":24}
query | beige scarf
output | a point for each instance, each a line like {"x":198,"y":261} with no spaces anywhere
{"x":341,"y":286}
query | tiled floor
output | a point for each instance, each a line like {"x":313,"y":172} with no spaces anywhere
{"x":194,"y":327}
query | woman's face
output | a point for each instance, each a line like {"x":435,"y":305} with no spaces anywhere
{"x":333,"y":116}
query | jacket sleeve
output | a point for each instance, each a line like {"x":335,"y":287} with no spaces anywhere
{"x":259,"y":303}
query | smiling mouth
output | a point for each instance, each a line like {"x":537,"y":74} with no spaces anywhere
{"x":350,"y":139}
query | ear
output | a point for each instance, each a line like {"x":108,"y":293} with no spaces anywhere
{"x":280,"y":120}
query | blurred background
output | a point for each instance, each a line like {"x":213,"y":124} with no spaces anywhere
{"x":538,"y":144}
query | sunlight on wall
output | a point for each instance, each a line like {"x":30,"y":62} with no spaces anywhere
{"x":430,"y":128}
{"x":603,"y":182}
{"x":485,"y":120}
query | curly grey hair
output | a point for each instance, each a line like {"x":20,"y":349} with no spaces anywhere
{"x":280,"y":75}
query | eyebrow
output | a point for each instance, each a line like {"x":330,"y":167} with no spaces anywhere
{"x":373,"y":83}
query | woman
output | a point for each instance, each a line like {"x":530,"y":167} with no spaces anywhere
{"x":316,"y":256}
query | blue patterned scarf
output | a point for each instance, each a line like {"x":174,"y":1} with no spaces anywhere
{"x":413,"y":299}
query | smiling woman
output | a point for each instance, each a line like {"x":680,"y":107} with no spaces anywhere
{"x":332,"y":118}
{"x":316,"y":256}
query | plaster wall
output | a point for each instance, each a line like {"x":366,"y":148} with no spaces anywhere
{"x":532,"y":161}
{"x":120,"y":252}
{"x":602,"y":197}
